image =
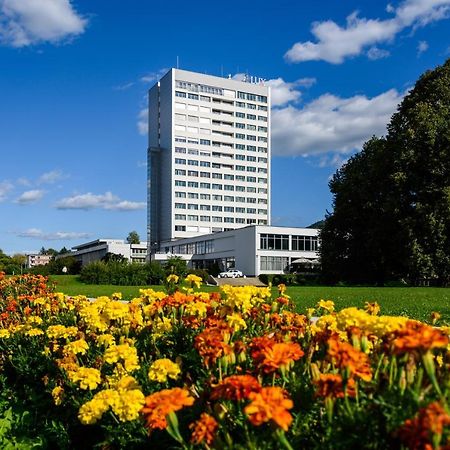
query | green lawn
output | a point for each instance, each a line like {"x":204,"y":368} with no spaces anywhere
{"x":414,"y":302}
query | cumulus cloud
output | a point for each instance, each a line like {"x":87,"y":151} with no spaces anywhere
{"x":282,"y":92}
{"x":31,"y":196}
{"x":5,"y":188}
{"x":377,"y":53}
{"x":142,"y":122}
{"x":334,"y":43}
{"x":35,"y":233}
{"x":331,"y":123}
{"x":28,"y":22}
{"x":106,"y":201}
{"x":51,"y":177}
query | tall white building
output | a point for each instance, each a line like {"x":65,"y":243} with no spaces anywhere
{"x":208,"y":156}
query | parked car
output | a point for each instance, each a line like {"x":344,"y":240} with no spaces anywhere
{"x":231,"y":273}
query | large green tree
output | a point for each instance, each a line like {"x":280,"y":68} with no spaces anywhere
{"x":391,"y":205}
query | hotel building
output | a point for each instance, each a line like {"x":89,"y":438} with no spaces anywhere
{"x":208,"y":156}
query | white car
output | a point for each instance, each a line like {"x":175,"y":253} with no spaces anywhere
{"x":231,"y":273}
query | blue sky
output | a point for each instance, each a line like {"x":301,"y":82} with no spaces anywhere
{"x":74,"y":76}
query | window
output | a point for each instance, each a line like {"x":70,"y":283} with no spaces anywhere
{"x":193,"y":162}
{"x":192,"y":173}
{"x":204,"y":98}
{"x":239,"y":125}
{"x":205,"y":175}
{"x":216,"y":208}
{"x":191,"y":129}
{"x":305,"y":243}
{"x":192,"y":206}
{"x":262,"y":160}
{"x":193,"y":184}
{"x":228,"y":177}
{"x":180,"y":194}
{"x":240,"y":157}
{"x":240,"y":115}
{"x":180,"y":116}
{"x":217,"y":175}
{"x":192,"y":118}
{"x":251,"y":106}
{"x":242,"y":168}
{"x":205,"y":218}
{"x":240,"y":147}
{"x":262,"y":108}
{"x":240,"y":188}
{"x":192,"y":217}
{"x":228,"y":220}
{"x":251,"y":158}
{"x":180,"y":128}
{"x":180,"y":172}
{"x":262,"y":170}
{"x":262,"y":150}
{"x":216,"y":197}
{"x":228,"y":187}
{"x":193,"y":96}
{"x":251,"y":169}
{"x":251,"y":116}
{"x":262,"y":129}
{"x":180,"y":150}
{"x":240,"y":136}
{"x":240,"y":104}
{"x":251,"y":179}
{"x":240,"y":220}
{"x":228,"y":198}
{"x":262,"y":139}
{"x":192,"y":195}
{"x":262,"y":180}
{"x":228,"y":208}
{"x":272,"y":263}
{"x":217,"y":186}
{"x":205,"y":164}
{"x":180,"y":161}
{"x":251,"y":210}
{"x":262,"y":201}
{"x":274,"y":241}
{"x":216,"y":219}
{"x":251,"y":200}
{"x":252,"y":190}
{"x":205,"y":196}
{"x":262,"y":191}
{"x":205,"y":185}
{"x":205,"y":142}
{"x":180,"y":227}
{"x":262,"y":211}
{"x":251,"y":148}
{"x":180,"y":205}
{"x":180,"y":94}
{"x":262,"y":118}
{"x":240,"y":199}
{"x":180,"y":183}
{"x":205,"y":207}
{"x":192,"y":151}
{"x":251,"y":137}
{"x":240,"y":178}
{"x":180,"y":216}
{"x":251,"y":127}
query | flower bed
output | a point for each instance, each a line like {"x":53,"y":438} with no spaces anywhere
{"x":235,"y":369}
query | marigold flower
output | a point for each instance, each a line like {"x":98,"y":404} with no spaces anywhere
{"x":162,"y":369}
{"x":270,"y":356}
{"x":418,"y":432}
{"x":270,"y":404}
{"x":417,"y":336}
{"x":211,"y":346}
{"x":194,"y":279}
{"x":34,"y":332}
{"x":327,"y":305}
{"x":78,"y":347}
{"x":128,"y":404}
{"x":331,"y":385}
{"x":122,"y":353}
{"x":345,"y":356}
{"x":88,"y":377}
{"x":4,"y":333}
{"x":57,"y":394}
{"x":158,"y":405}
{"x":236,"y":322}
{"x":372,"y":308}
{"x":204,"y":429}
{"x":91,"y":411}
{"x":172,"y":278}
{"x":236,"y":387}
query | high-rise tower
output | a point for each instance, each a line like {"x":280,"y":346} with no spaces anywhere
{"x":208,"y":156}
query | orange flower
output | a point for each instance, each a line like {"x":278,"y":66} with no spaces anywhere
{"x":270,"y":404}
{"x":270,"y":356}
{"x":209,"y":343}
{"x":160,"y":404}
{"x":331,"y":385}
{"x":236,"y":387}
{"x":417,"y":336}
{"x":417,"y":433}
{"x":344,"y":355}
{"x":204,"y":429}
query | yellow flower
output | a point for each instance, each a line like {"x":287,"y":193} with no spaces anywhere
{"x":88,"y":377}
{"x":198,"y":309}
{"x":57,"y":394}
{"x":194,"y":279}
{"x":60,"y":331}
{"x":128,"y":404}
{"x":123,"y":353}
{"x":79,"y":347}
{"x":116,"y":310}
{"x":327,"y":305}
{"x":117,"y":296}
{"x":35,"y":320}
{"x":162,"y":369}
{"x":172,"y":278}
{"x":106,"y":340}
{"x":4,"y":333}
{"x":161,"y":326}
{"x":34,"y":332}
{"x":93,"y":410}
{"x":236,"y":322}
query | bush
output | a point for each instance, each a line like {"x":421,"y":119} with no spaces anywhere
{"x":122,"y":273}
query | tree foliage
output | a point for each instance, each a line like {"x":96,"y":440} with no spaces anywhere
{"x":391,"y":206}
{"x":133,"y":238}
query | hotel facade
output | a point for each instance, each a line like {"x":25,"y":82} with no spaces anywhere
{"x":208,"y":156}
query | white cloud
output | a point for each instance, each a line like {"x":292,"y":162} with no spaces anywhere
{"x":334,"y":43}
{"x":154,"y":76}
{"x":422,"y":46}
{"x":142,"y":122}
{"x":331,"y":123}
{"x":27,"y":22}
{"x":377,"y":53}
{"x":35,"y":233}
{"x":51,"y":177}
{"x":22,"y":181}
{"x":123,"y":87}
{"x":32,"y":196}
{"x":5,"y":188}
{"x":282,"y":92}
{"x":106,"y":201}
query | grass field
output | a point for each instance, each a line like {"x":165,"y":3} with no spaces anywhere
{"x":416,"y":303}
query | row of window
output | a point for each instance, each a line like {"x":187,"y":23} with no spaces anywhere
{"x":281,"y":242}
{"x":190,"y":140}
{"x":216,"y":219}
{"x":219,"y":197}
{"x":220,"y":187}
{"x":202,"y":163}
{"x":199,"y":88}
{"x":220,"y":208}
{"x":201,"y":247}
{"x":207,"y":120}
{"x":251,"y":148}
{"x":179,"y":105}
{"x":273,"y":263}
{"x":252,"y":97}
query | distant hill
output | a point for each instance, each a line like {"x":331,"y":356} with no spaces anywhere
{"x":319,"y":224}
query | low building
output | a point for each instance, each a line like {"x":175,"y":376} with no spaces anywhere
{"x":255,"y":249}
{"x":98,"y":249}
{"x":37,"y":260}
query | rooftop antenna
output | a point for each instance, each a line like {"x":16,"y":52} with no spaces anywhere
{"x":178,"y":62}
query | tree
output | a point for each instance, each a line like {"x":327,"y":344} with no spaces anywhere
{"x":391,"y":205}
{"x":133,"y":238}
